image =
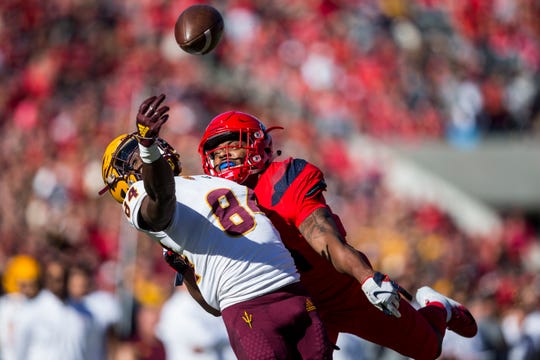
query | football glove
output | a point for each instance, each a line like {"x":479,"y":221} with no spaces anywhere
{"x":383,"y":293}
{"x":150,"y":118}
{"x":175,"y":261}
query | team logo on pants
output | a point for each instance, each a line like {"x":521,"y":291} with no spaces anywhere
{"x":248,"y":318}
{"x":309,"y":305}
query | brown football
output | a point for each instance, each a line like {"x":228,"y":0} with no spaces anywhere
{"x":198,"y":29}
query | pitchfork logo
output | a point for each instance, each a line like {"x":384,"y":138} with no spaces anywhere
{"x":248,"y":318}
{"x":309,"y":305}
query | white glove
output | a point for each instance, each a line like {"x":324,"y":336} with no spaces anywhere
{"x":383,"y":293}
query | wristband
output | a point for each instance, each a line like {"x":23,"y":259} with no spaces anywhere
{"x":149,"y":154}
{"x":178,"y":279}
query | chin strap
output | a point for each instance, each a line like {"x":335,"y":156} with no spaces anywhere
{"x":104,"y":190}
{"x":110,"y":181}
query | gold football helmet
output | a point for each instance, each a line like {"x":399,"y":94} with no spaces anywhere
{"x":122,"y":165}
{"x":20,"y":268}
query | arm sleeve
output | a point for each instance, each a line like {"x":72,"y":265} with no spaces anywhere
{"x":132,"y":204}
{"x":306,"y":191}
{"x":178,"y":279}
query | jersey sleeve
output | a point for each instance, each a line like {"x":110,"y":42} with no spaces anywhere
{"x":305,"y":190}
{"x":132,"y":207}
{"x":132,"y":203}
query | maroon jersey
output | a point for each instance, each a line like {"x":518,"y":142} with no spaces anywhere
{"x":289,"y":191}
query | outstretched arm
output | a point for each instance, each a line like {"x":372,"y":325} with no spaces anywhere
{"x":158,"y":207}
{"x":321,"y":232}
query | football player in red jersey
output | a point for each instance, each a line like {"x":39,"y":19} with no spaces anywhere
{"x":349,"y":294}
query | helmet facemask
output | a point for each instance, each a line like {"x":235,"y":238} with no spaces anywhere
{"x":249,"y":134}
{"x":256,"y":157}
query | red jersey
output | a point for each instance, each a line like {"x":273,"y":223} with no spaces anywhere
{"x":289,"y":191}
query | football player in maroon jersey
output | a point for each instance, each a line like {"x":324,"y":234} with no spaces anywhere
{"x":349,"y":294}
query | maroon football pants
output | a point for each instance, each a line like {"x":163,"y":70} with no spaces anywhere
{"x":280,"y":325}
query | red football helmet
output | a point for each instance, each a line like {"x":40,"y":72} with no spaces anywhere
{"x":250,"y":132}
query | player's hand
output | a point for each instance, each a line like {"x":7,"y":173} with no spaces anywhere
{"x":383,"y":293}
{"x":150,"y":118}
{"x":175,"y":261}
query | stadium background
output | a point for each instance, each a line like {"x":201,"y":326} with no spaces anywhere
{"x":423,"y":115}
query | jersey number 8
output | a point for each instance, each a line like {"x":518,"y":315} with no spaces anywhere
{"x":232,"y":216}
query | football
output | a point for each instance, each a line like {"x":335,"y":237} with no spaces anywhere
{"x":198,"y":29}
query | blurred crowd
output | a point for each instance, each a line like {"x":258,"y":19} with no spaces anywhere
{"x":73,"y":73}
